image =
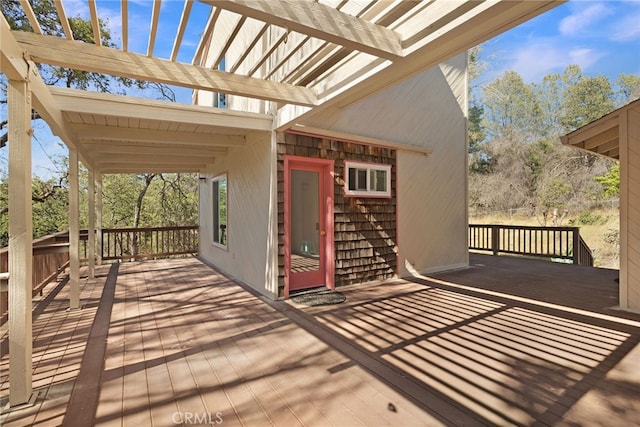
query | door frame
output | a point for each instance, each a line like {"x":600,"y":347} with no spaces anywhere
{"x":326,"y":198}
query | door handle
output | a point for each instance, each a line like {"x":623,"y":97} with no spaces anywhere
{"x":323,"y":233}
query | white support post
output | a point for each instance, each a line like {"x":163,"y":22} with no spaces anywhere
{"x":74,"y":231}
{"x":92,"y":225}
{"x":99,"y":217}
{"x":20,"y":243}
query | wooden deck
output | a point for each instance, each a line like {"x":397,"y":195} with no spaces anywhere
{"x":506,"y":342}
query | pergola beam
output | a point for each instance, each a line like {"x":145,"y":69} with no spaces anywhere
{"x":80,"y":101}
{"x":84,"y":56}
{"x":154,"y":160}
{"x":110,"y":133}
{"x":115,"y":168}
{"x":151,"y":152}
{"x":321,"y":21}
{"x":12,"y":62}
{"x":102,"y":146}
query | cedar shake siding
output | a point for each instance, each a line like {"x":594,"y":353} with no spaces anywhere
{"x":365,"y":228}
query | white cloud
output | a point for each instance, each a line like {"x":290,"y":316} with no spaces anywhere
{"x":75,"y":8}
{"x":583,"y":19}
{"x":628,"y":28}
{"x":536,"y":60}
{"x":584,"y":57}
{"x":549,"y":56}
{"x":113,"y":19}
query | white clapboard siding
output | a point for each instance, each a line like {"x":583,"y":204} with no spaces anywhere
{"x":249,"y":256}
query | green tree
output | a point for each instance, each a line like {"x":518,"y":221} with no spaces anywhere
{"x":170,"y":199}
{"x":511,"y":109}
{"x":177,"y":201}
{"x":520,"y":162}
{"x":611,"y":181}
{"x":549,"y":93}
{"x":628,"y":88}
{"x":585,"y":99}
{"x":479,"y":161}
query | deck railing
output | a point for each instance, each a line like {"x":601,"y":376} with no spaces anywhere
{"x":545,"y":242}
{"x":51,"y":253}
{"x":50,"y":258}
{"x":148,"y":242}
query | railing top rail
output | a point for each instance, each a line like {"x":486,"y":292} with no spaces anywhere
{"x":525,"y":227}
{"x":63,"y":236}
{"x":177,"y":227}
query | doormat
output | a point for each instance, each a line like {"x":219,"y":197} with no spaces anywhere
{"x":324,"y":297}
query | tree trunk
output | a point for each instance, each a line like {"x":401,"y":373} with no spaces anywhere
{"x":138,"y":209}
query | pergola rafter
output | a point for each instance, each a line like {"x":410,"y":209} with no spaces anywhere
{"x":321,"y":21}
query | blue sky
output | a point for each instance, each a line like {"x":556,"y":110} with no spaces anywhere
{"x":603,"y":37}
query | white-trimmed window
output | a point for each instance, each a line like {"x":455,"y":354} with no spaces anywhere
{"x":219,"y":197}
{"x":367,"y":179}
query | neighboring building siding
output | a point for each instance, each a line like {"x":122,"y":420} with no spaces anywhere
{"x":365,"y":228}
{"x":633,"y":209}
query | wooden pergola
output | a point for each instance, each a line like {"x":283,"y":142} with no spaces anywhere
{"x":357,"y":47}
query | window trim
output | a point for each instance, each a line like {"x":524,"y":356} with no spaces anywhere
{"x":215,"y":206}
{"x":368,"y":167}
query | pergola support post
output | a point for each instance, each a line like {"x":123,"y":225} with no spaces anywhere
{"x":92,"y":225}
{"x":20,"y":243}
{"x":98,"y":192}
{"x":74,"y":231}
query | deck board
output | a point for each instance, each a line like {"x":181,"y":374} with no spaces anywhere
{"x":494,"y":344}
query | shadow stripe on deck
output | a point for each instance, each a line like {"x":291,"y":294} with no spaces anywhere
{"x":436,"y":404}
{"x":83,"y":403}
{"x":37,"y":311}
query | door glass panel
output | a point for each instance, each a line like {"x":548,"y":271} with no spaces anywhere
{"x":305,"y":221}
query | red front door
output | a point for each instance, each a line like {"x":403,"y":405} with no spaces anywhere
{"x":308,"y":224}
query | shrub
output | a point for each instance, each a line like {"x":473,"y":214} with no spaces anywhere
{"x":588,"y":218}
